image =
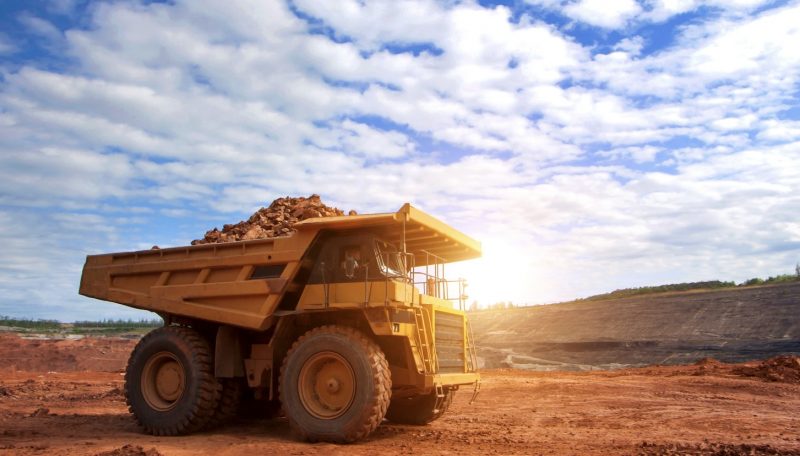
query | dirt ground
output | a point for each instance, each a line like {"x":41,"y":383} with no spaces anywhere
{"x":708,"y":408}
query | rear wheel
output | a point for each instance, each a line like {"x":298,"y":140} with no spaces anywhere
{"x":335,"y":385}
{"x":420,"y":409}
{"x":169,"y":382}
{"x":229,"y":402}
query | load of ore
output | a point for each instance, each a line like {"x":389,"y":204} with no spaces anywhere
{"x":276,"y":220}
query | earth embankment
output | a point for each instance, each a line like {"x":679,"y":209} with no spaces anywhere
{"x":731,"y":325}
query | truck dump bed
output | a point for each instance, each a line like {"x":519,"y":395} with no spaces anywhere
{"x":243,"y":283}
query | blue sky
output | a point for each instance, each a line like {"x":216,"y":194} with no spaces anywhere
{"x":590,"y":144}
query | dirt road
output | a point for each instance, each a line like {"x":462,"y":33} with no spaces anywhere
{"x":708,"y":408}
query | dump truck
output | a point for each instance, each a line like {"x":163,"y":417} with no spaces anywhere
{"x":345,"y":322}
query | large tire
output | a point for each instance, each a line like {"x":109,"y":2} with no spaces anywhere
{"x":169,"y":383}
{"x":418,"y":410}
{"x":229,"y":402}
{"x":335,"y":385}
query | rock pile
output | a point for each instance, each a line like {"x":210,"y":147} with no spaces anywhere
{"x":777,"y":369}
{"x":276,"y":220}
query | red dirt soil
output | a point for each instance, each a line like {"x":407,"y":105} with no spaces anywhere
{"x":65,"y":397}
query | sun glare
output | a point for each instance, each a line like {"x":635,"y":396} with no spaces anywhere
{"x":504,"y":273}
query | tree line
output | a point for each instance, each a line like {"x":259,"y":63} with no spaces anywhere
{"x":45,"y":324}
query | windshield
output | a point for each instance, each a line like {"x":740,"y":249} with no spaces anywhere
{"x":390,"y":260}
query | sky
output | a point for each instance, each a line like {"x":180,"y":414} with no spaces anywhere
{"x":589,"y":145}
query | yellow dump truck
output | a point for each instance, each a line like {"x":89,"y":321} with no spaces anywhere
{"x":345,"y":322}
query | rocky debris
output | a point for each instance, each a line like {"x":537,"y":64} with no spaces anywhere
{"x":715,"y":449}
{"x":707,"y":366}
{"x":274,"y":221}
{"x":778,"y":369}
{"x":130,"y":450}
{"x":41,"y":411}
{"x":115,"y":392}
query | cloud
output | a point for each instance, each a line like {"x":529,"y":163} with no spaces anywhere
{"x":619,"y":14}
{"x":662,"y":10}
{"x":775,"y":130}
{"x":361,"y":139}
{"x":40,"y":27}
{"x":603,"y":13}
{"x":6,"y":46}
{"x":49,"y":174}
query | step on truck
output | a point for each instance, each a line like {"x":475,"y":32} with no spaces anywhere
{"x":344,"y":323}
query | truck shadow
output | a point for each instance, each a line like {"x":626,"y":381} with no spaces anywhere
{"x":104,"y":428}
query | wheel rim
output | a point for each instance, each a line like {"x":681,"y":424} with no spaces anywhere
{"x":327,"y":385}
{"x":163,"y":381}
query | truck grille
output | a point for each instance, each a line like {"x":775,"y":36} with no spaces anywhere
{"x":449,"y":340}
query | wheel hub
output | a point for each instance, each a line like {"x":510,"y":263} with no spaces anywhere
{"x":168,"y":381}
{"x":327,"y":385}
{"x":162,"y":381}
{"x":333,"y":385}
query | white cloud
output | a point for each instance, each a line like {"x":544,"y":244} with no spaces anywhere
{"x":6,"y":45}
{"x":44,"y":176}
{"x":643,"y":154}
{"x":361,"y":139}
{"x":64,"y":7}
{"x":631,"y":46}
{"x":620,"y":13}
{"x":40,"y":27}
{"x":780,"y":130}
{"x":746,"y":48}
{"x":661,"y":10}
{"x":609,"y":14}
{"x":372,"y":24}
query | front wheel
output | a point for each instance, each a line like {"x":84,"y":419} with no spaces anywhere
{"x":335,"y":385}
{"x":169,"y":382}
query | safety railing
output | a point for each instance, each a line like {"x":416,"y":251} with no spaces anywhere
{"x":430,"y":280}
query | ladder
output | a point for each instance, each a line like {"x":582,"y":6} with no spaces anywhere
{"x":472,"y":356}
{"x":424,"y":343}
{"x":472,"y":360}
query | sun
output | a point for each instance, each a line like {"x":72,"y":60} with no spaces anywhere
{"x":505,"y":273}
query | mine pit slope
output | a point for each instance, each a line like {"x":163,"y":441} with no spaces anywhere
{"x":731,"y":325}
